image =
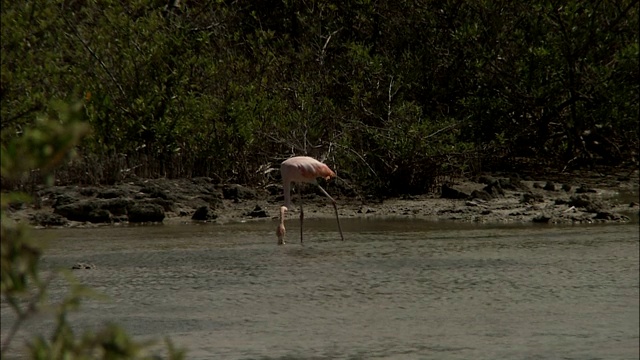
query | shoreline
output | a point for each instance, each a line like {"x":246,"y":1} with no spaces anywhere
{"x":486,"y":199}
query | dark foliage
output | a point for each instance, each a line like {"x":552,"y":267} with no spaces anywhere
{"x":396,"y":96}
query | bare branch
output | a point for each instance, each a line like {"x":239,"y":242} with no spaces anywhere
{"x":95,"y":56}
{"x":441,"y":130}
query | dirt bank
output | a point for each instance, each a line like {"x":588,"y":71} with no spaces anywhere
{"x":498,"y":198}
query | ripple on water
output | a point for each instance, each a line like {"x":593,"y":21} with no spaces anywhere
{"x":477,"y":292}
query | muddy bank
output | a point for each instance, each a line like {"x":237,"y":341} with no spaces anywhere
{"x":569,"y":198}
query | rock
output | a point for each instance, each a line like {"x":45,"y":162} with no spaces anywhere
{"x":530,"y":198}
{"x":111,"y":194}
{"x":257,"y":212}
{"x":486,"y":180}
{"x":595,"y":207}
{"x":116,"y":206}
{"x":549,"y":186}
{"x":83,"y":266}
{"x":560,"y":201}
{"x":450,"y":193}
{"x":607,"y":215}
{"x":579,"y":200}
{"x":583,"y":189}
{"x":494,"y":190}
{"x":85,"y":210}
{"x":581,"y":218}
{"x":365,"y":210}
{"x":148,"y":189}
{"x":64,"y":199}
{"x":16,"y":205}
{"x":156,"y":192}
{"x":542,"y":218}
{"x":146,"y":212}
{"x":408,"y":197}
{"x":95,"y":210}
{"x":481,"y":194}
{"x":212,"y":200}
{"x":161,"y":194}
{"x":87,"y":191}
{"x":202,"y":180}
{"x":633,"y":204}
{"x":586,"y":202}
{"x":99,"y":216}
{"x":206,"y":189}
{"x":453,"y":211}
{"x":46,"y":219}
{"x":537,"y":186}
{"x":566,"y":187}
{"x":238,"y":192}
{"x":167,"y":204}
{"x":119,"y":219}
{"x":513,"y":183}
{"x":204,"y":213}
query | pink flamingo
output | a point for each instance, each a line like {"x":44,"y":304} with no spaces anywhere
{"x":302,"y":169}
{"x":281,"y":231}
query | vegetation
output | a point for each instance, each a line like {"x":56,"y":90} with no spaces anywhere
{"x":394,"y":95}
{"x":24,"y":286}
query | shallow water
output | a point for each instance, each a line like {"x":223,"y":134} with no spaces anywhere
{"x":395,"y":289}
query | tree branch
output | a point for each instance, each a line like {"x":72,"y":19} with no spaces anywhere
{"x":95,"y":56}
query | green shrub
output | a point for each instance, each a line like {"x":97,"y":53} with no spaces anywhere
{"x":224,"y":89}
{"x":22,"y":286}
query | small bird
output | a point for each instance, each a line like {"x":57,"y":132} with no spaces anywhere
{"x":281,"y":231}
{"x":303,"y":169}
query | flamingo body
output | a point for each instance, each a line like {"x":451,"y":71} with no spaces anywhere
{"x":302,"y":169}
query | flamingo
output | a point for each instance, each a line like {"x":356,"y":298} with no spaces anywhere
{"x":281,"y":231}
{"x":303,"y":169}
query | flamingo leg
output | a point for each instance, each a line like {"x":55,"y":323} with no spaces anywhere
{"x":335,"y":208}
{"x":301,"y":211}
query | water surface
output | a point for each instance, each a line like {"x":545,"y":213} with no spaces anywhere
{"x":395,"y":289}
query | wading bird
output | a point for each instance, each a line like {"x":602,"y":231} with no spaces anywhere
{"x":302,"y":169}
{"x":281,"y":231}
